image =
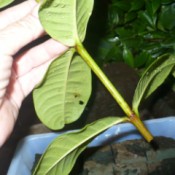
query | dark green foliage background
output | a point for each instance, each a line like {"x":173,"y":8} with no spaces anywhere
{"x":136,"y":32}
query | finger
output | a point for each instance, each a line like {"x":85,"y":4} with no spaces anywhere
{"x":23,"y":85}
{"x":5,"y":73}
{"x":20,"y":87}
{"x":36,"y":66}
{"x":8,"y":116}
{"x":17,"y":35}
{"x":38,"y":56}
{"x":15,"y":13}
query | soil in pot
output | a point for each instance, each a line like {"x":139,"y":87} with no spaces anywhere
{"x":133,"y":157}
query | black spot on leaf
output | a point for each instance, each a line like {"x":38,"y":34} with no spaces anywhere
{"x":81,"y":102}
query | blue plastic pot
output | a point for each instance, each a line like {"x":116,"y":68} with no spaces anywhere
{"x":23,"y":159}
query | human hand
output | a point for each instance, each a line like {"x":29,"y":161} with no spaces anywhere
{"x":19,"y":26}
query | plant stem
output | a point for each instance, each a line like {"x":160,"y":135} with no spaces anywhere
{"x":114,"y":92}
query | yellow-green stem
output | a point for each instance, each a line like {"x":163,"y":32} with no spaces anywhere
{"x":141,"y":127}
{"x":107,"y":83}
{"x":113,"y":91}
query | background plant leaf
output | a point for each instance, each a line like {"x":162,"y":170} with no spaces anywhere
{"x":152,"y":78}
{"x":140,"y":26}
{"x":65,"y":20}
{"x":128,"y":57}
{"x":64,"y":92}
{"x":67,"y":147}
{"x":152,"y":6}
{"x":4,"y":3}
{"x":166,"y":19}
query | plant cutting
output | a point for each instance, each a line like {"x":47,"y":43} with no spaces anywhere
{"x":60,"y":98}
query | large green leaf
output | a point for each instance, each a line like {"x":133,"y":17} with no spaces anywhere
{"x":152,"y":78}
{"x":65,"y":20}
{"x":60,"y":156}
{"x":64,"y":92}
{"x":4,"y":3}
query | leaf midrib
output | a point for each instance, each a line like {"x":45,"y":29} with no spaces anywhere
{"x":88,"y":138}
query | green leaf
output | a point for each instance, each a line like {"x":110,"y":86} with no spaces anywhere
{"x":62,"y":153}
{"x":64,"y":92}
{"x":136,"y":5}
{"x":122,"y":5}
{"x":65,"y":20}
{"x":128,"y":57}
{"x":152,"y":6}
{"x":152,"y":78}
{"x":166,"y":19}
{"x":151,"y":20}
{"x":4,"y":3}
{"x":141,"y":59}
{"x":129,"y":17}
{"x":173,"y":73}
